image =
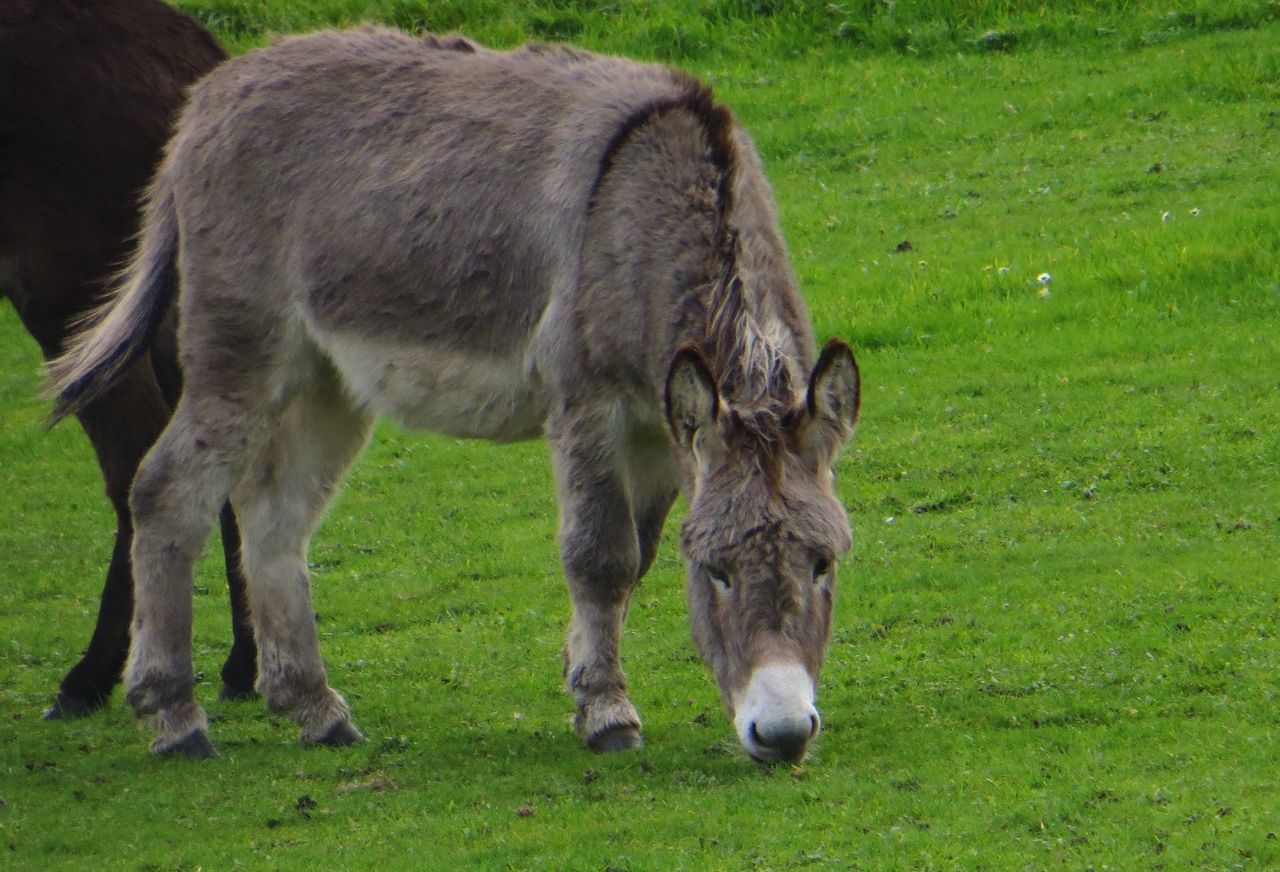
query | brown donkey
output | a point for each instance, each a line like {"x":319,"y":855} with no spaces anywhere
{"x":487,"y":244}
{"x":88,"y":92}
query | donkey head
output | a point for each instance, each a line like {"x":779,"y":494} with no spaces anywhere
{"x":761,"y":539}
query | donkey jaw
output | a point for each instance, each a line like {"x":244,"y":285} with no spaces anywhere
{"x":775,"y":716}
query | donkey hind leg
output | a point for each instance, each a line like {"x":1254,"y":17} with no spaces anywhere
{"x":121,"y":425}
{"x":601,"y":554}
{"x":87,"y":685}
{"x":279,"y":502}
{"x":240,"y":669}
{"x":178,"y":492}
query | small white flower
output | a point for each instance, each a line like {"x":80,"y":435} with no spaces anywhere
{"x":890,"y":519}
{"x":1044,"y":278}
{"x":1165,"y":216}
{"x":1002,"y":270}
{"x":1194,"y":211}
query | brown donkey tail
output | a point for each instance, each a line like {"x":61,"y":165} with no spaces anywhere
{"x":112,"y":337}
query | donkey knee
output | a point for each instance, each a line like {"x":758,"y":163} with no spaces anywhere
{"x":608,"y":569}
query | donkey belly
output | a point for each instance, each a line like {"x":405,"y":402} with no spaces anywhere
{"x":458,"y":393}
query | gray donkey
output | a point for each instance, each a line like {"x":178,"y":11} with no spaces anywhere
{"x":486,"y":244}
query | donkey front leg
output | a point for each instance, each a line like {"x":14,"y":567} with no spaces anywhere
{"x":601,"y":555}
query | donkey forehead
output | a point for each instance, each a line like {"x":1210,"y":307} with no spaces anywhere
{"x":755,"y":519}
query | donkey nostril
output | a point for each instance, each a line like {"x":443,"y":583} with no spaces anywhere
{"x":789,"y":745}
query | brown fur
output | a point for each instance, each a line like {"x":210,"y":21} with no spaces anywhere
{"x":492,"y":244}
{"x":87,"y":95}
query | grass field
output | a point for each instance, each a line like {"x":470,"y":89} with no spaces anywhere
{"x":1057,"y":640}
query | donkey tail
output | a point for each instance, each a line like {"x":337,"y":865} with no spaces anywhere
{"x":111,"y":338}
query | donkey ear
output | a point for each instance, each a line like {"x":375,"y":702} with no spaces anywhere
{"x":692,"y":400}
{"x":835,"y":394}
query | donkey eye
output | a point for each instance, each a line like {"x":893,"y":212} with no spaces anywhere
{"x":719,"y":576}
{"x":821,"y":569}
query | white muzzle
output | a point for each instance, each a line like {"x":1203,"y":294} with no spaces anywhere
{"x":775,"y":717}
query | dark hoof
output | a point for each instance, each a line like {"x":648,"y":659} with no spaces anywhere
{"x":195,"y":746}
{"x":236,"y":694}
{"x":620,"y":738}
{"x":66,"y":708}
{"x":340,"y":735}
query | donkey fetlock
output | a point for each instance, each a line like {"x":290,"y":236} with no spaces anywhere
{"x":182,"y":731}
{"x":605,"y":719}
{"x":238,"y":677}
{"x":320,"y":710}
{"x":152,"y":692}
{"x":326,"y":720}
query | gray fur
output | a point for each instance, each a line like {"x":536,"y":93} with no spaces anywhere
{"x":490,"y":244}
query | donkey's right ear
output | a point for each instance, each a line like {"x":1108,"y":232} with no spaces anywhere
{"x":692,"y":400}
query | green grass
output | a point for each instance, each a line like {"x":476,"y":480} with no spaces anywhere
{"x":1058,"y":636}
{"x":747,"y":30}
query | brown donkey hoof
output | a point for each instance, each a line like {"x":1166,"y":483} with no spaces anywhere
{"x":67,"y":708}
{"x":623,"y":737}
{"x":236,"y":694}
{"x":340,"y":735}
{"x":195,"y":746}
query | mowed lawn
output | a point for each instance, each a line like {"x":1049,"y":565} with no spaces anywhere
{"x":1057,"y":639}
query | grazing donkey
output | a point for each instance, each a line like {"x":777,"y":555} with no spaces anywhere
{"x":87,"y":95}
{"x":488,"y":244}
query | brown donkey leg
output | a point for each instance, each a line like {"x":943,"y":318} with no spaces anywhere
{"x":241,"y":668}
{"x":121,"y":426}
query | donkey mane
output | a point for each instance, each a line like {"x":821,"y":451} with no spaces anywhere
{"x":765,"y":432}
{"x":747,"y":359}
{"x":750,"y":367}
{"x":450,"y":42}
{"x":693,"y":97}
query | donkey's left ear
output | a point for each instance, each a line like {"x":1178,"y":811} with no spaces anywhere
{"x":835,"y":394}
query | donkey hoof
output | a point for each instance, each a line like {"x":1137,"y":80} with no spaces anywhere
{"x":66,"y":708}
{"x":340,"y":735}
{"x":194,"y":745}
{"x":230,"y":693}
{"x":622,"y":737}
